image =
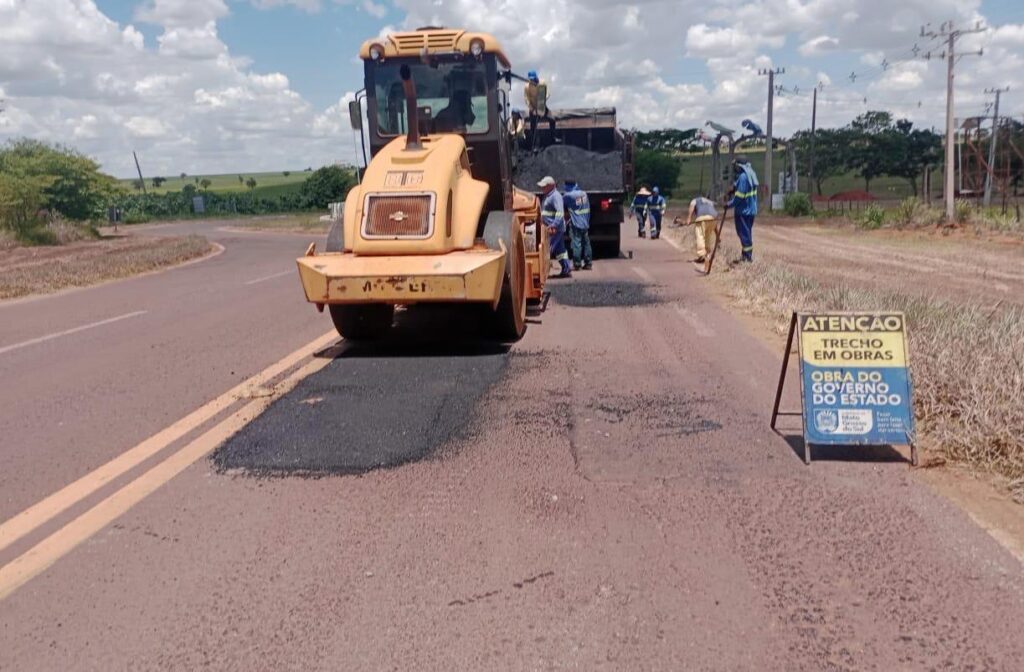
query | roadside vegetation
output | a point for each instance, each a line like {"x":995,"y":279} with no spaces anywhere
{"x":967,"y":359}
{"x":50,"y":194}
{"x":301,"y":223}
{"x":876,"y":153}
{"x":52,"y":199}
{"x":245,"y":196}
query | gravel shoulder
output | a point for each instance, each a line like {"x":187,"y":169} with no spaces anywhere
{"x":962,"y":267}
{"x":26,"y":271}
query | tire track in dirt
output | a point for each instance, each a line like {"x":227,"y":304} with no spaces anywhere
{"x":833,"y":255}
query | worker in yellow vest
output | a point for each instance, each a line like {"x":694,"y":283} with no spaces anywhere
{"x":536,"y":94}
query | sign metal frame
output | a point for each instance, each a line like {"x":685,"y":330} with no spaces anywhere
{"x":795,"y":334}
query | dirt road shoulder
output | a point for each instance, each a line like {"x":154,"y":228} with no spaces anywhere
{"x":806,"y":263}
{"x":26,"y":271}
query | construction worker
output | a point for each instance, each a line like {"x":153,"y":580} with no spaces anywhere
{"x":577,"y":210}
{"x":639,"y":208}
{"x":744,"y":205}
{"x":536,"y":94}
{"x":517,"y":128}
{"x":703,"y":214}
{"x":656,"y":210}
{"x":552,"y":213}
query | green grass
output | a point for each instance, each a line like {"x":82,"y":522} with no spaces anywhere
{"x":882,"y":187}
{"x":267,"y":184}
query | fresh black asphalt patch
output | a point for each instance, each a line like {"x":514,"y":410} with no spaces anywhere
{"x":370,"y":408}
{"x":601,"y":293}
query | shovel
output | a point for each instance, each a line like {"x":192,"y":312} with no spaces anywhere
{"x":718,"y":238}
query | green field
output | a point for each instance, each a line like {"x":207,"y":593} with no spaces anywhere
{"x":882,"y":187}
{"x":268,"y":185}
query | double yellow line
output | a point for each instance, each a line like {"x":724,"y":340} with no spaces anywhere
{"x":44,"y":554}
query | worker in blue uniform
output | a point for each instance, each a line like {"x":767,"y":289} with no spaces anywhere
{"x":639,"y":208}
{"x":552,"y":214}
{"x":656,"y":211}
{"x":577,"y":209}
{"x":744,"y":206}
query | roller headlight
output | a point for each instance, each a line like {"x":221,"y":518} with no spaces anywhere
{"x":476,"y":47}
{"x":376,"y":52}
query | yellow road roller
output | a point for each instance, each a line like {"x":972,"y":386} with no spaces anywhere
{"x":436,"y":218}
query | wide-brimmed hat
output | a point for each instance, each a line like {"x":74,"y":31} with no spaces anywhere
{"x":643,"y":192}
{"x":546,"y":182}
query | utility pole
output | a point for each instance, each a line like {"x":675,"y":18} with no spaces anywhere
{"x":814,"y":126}
{"x":989,"y":173}
{"x":951,"y":34}
{"x":768,"y":146}
{"x":139,"y":169}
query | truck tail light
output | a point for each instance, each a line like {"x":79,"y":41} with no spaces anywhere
{"x":606,"y":204}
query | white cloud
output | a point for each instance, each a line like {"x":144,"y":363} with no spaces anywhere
{"x":186,"y":102}
{"x":178,"y":13}
{"x":819,"y":45}
{"x":375,"y":9}
{"x":146,"y":127}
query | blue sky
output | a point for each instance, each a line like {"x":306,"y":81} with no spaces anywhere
{"x":226,"y":85}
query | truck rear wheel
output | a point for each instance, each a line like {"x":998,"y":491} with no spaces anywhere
{"x":508,"y":321}
{"x":362,"y":322}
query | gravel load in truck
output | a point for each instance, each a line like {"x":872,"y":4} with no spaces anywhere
{"x":594,"y":171}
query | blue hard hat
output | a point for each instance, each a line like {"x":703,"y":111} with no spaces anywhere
{"x":532,"y":74}
{"x":656,"y":190}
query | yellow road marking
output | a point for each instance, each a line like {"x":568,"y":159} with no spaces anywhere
{"x":44,"y":554}
{"x":38,"y":514}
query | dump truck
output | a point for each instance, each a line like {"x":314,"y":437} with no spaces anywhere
{"x":587,"y":145}
{"x":436,"y":219}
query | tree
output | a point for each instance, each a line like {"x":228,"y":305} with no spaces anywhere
{"x":184,"y":175}
{"x":241,"y":180}
{"x":665,"y":140}
{"x":21,"y":198}
{"x":329,"y":184}
{"x":657,"y":169}
{"x":74,"y":185}
{"x":157,"y":181}
{"x":910,"y":150}
{"x":287,"y":173}
{"x":189,"y":190}
{"x":251,"y":183}
{"x":831,"y":153}
{"x":205,"y":183}
{"x":872,"y":122}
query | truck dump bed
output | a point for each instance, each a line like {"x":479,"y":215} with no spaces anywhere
{"x":588,"y":147}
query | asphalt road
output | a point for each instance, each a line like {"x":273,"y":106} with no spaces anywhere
{"x":606,"y":494}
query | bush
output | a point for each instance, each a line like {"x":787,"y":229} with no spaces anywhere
{"x":871,"y":218}
{"x":797,"y":205}
{"x":657,"y":169}
{"x":326,"y":185}
{"x":72,"y":183}
{"x":908,"y":211}
{"x":962,"y":210}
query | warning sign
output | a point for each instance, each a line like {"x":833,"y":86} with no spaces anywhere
{"x":855,"y":382}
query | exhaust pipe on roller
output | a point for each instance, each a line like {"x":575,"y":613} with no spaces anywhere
{"x":412,"y":140}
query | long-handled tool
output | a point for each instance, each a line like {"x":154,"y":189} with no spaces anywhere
{"x":718,"y":238}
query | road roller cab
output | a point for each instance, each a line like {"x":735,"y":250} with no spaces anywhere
{"x":436,"y":218}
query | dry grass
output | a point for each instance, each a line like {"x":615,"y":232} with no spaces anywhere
{"x":286,"y":224}
{"x":42,"y":270}
{"x":967,"y":360}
